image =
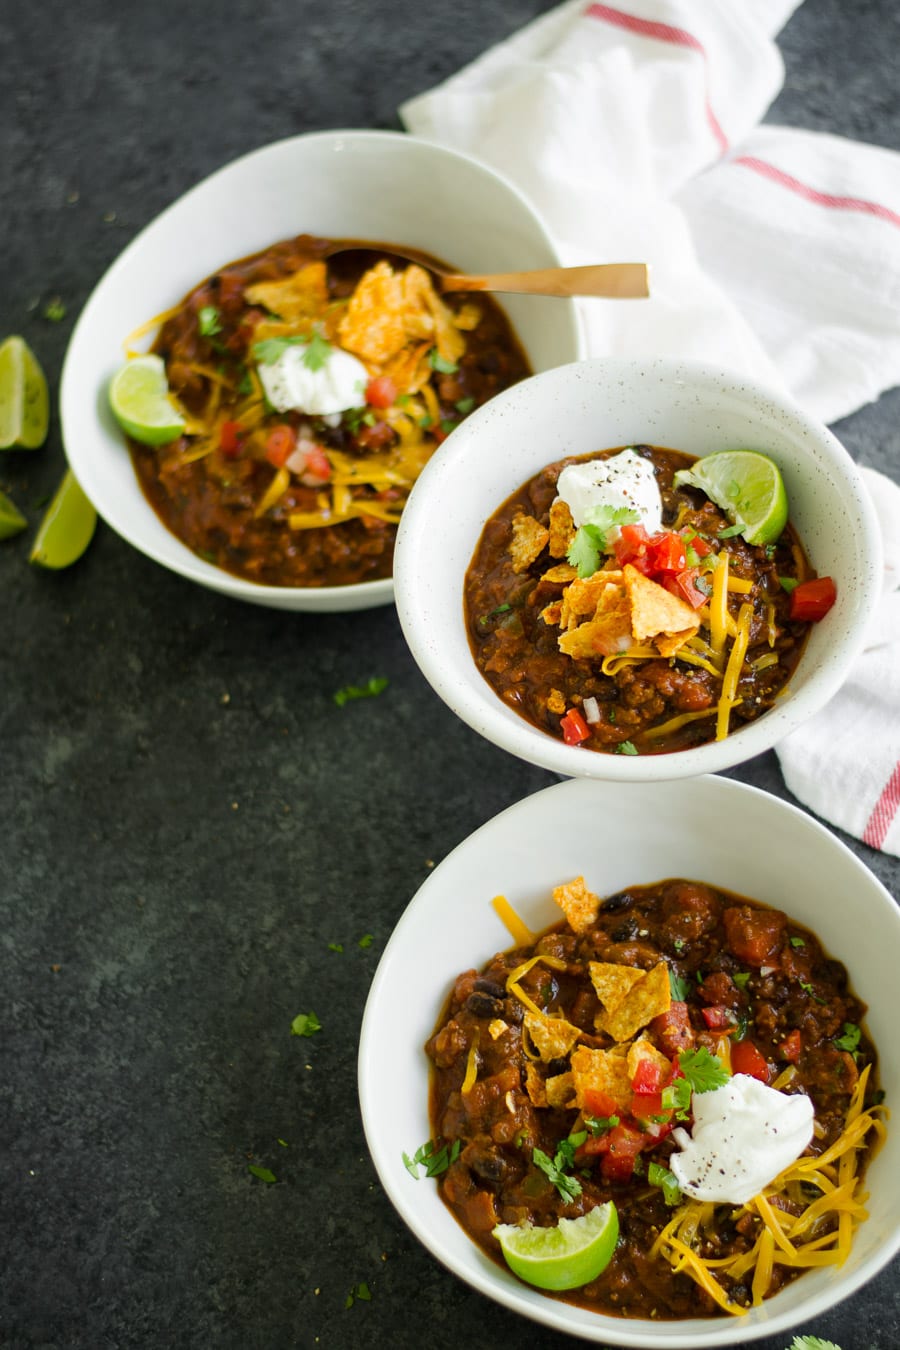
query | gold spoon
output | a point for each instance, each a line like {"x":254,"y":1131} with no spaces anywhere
{"x":617,"y":281}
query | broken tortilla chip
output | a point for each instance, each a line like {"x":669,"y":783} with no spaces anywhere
{"x":528,"y":539}
{"x":577,"y":903}
{"x":552,"y":1037}
{"x":613,"y":982}
{"x":608,"y":630}
{"x":654,"y":610}
{"x":643,"y":1049}
{"x":301,"y":295}
{"x":647,"y":998}
{"x":562,"y":528}
{"x":603,"y":1071}
{"x":534,"y":1084}
{"x":560,"y":1090}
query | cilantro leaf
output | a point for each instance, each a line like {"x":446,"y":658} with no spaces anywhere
{"x":335,"y":946}
{"x":741,"y":978}
{"x":270,"y":350}
{"x":569,"y":1187}
{"x":590,"y":539}
{"x":318,"y":351}
{"x":366,"y":940}
{"x":812,"y":1343}
{"x":703,"y":1071}
{"x":263,"y":1173}
{"x":797,"y":942}
{"x":677,"y":1097}
{"x":208,"y":321}
{"x":660,"y":1176}
{"x":464,"y":405}
{"x":849,"y":1039}
{"x":370,"y":689}
{"x":679,"y":987}
{"x":435,"y":1160}
{"x":305,"y":1024}
{"x":437,"y":362}
{"x":626,"y":748}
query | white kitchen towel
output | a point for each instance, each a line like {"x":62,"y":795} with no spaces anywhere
{"x":635,"y":129}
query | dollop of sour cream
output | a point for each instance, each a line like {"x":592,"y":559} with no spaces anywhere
{"x":624,"y":480}
{"x":339,"y":382}
{"x":744,"y":1134}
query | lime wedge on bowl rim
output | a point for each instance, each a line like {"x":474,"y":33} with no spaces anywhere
{"x":24,"y":402}
{"x":67,"y":527}
{"x":747,"y":486}
{"x":139,"y":398}
{"x":570,"y":1254}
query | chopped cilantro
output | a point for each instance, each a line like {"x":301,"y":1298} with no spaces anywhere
{"x":366,"y":940}
{"x":660,"y":1176}
{"x":500,"y":609}
{"x":702,"y":1070}
{"x":677,"y":1097}
{"x":305,"y":1024}
{"x":590,"y":539}
{"x":569,"y":1187}
{"x":335,"y":946}
{"x":612,"y":716}
{"x":437,"y":362}
{"x":679,"y":987}
{"x":797,"y":942}
{"x":788,"y":584}
{"x":626,"y":748}
{"x":741,"y":978}
{"x":269,"y":350}
{"x":448,"y":424}
{"x":208,"y":321}
{"x":812,"y":1343}
{"x":849,"y":1038}
{"x":263,"y":1173}
{"x":601,"y":1124}
{"x":565,"y":1153}
{"x":370,"y":689}
{"x":678,"y":944}
{"x":317,"y":352}
{"x":425,"y":422}
{"x":354,"y":418}
{"x":435,"y":1160}
{"x":730,"y":532}
{"x":464,"y":405}
{"x":54,"y":310}
{"x":770,"y":551}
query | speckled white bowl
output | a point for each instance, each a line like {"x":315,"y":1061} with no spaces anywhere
{"x":596,"y":405}
{"x":708,"y":829}
{"x":378,"y":185}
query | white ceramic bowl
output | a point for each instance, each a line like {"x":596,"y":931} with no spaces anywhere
{"x":709,"y":829}
{"x":597,"y":405}
{"x":383,"y":186}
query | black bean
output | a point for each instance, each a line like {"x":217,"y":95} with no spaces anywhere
{"x":619,"y":901}
{"x":482,"y":1005}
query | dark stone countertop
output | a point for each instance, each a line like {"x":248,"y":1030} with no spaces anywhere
{"x":187,"y":818}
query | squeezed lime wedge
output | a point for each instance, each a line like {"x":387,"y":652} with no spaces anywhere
{"x":24,"y":401}
{"x":140,"y":400}
{"x":571,"y":1253}
{"x":11,"y":519}
{"x":66,"y":529}
{"x":747,"y":486}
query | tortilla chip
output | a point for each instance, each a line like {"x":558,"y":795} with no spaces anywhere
{"x":302,"y":295}
{"x":534,"y":1084}
{"x":577,"y":903}
{"x":604,"y":1071}
{"x":560,"y":1090}
{"x":667,"y":644}
{"x":613,"y":982}
{"x":562,"y":572}
{"x":410,"y":369}
{"x":497,"y":1028}
{"x":390,"y":309}
{"x":556,"y":701}
{"x":562,"y":528}
{"x":647,"y":998}
{"x":609,"y":628}
{"x":528,"y":539}
{"x":553,"y":1037}
{"x":642,"y":1049}
{"x":467,"y":317}
{"x":552,"y":613}
{"x":655,"y":610}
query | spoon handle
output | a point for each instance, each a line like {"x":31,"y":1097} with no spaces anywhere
{"x":620,"y":281}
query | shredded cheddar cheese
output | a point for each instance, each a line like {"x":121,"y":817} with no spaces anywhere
{"x":519,"y":931}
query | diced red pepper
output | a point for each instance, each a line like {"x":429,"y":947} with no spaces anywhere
{"x":811,"y":600}
{"x":745,"y":1058}
{"x":593,"y":1146}
{"x":684,"y":585}
{"x":718,"y":1018}
{"x":650,"y":1077}
{"x":791,"y":1046}
{"x":381,"y":392}
{"x":230,"y":439}
{"x":574,"y":728}
{"x":665,"y":552}
{"x":625,"y":1143}
{"x":280,"y":444}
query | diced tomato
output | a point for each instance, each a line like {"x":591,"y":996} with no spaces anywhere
{"x":381,"y":392}
{"x":280,"y":444}
{"x":625,"y":1143}
{"x":684,"y":585}
{"x":791,"y":1046}
{"x":593,"y":1146}
{"x":631,"y":545}
{"x":649,"y":1076}
{"x":665,"y":552}
{"x":811,"y":600}
{"x":718,"y":1018}
{"x":648,"y":1110}
{"x":673,"y":1030}
{"x":574,"y":728}
{"x":317,"y":469}
{"x":745,"y":1058}
{"x":599,"y":1103}
{"x":702,"y":547}
{"x":230,"y":439}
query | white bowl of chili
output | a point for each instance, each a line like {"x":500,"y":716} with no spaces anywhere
{"x":710,"y":830}
{"x":446,"y":556}
{"x":330,"y":185}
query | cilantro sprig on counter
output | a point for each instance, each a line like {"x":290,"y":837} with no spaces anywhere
{"x":371,"y":689}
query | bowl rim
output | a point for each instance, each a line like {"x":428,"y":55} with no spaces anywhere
{"x":183,"y":561}
{"x":481,"y":708}
{"x":630,"y":1332}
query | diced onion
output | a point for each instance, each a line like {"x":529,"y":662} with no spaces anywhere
{"x":591,"y":709}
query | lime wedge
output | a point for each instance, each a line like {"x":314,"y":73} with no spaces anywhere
{"x":747,"y":486}
{"x":11,"y":519}
{"x":24,"y":403}
{"x":567,"y":1256}
{"x":139,"y":398}
{"x":67,"y":527}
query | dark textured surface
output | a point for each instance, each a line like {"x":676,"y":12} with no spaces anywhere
{"x":188,"y":820}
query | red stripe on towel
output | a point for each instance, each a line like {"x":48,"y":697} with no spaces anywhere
{"x":883,"y":812}
{"x":812,"y":195}
{"x":663,"y":32}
